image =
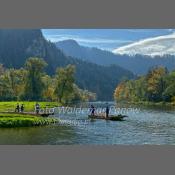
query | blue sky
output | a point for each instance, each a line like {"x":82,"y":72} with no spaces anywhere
{"x":108,"y":39}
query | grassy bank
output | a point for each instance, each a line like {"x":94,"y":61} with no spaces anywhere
{"x":28,"y":106}
{"x":8,"y":120}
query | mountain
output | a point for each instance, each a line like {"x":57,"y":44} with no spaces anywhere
{"x":94,"y":55}
{"x":17,"y":45}
{"x":155,"y":46}
{"x":138,"y":64}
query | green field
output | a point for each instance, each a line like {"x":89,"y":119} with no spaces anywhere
{"x":28,"y":106}
{"x":8,"y":120}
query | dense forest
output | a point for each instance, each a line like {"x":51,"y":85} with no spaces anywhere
{"x":18,"y":45}
{"x":158,"y":85}
{"x":32,"y":83}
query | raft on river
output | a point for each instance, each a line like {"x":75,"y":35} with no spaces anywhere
{"x":110,"y":117}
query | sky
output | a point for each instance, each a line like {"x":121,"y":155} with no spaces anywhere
{"x":107,"y":39}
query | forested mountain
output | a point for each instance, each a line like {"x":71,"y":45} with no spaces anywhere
{"x":138,"y":64}
{"x":18,"y":45}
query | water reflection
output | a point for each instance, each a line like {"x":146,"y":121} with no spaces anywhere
{"x":37,"y":135}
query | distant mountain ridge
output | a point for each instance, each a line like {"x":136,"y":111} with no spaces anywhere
{"x":95,"y":55}
{"x":138,"y":64}
{"x":18,"y":45}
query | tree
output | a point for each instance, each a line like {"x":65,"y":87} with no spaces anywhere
{"x":2,"y":70}
{"x":34,"y":85}
{"x":155,"y":83}
{"x":49,"y":84}
{"x":82,"y":95}
{"x":156,"y":86}
{"x":169,"y":92}
{"x":11,"y":83}
{"x":6,"y":92}
{"x":64,"y":83}
{"x":119,"y":93}
{"x":16,"y":79}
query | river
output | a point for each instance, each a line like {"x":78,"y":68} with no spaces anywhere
{"x":146,"y":125}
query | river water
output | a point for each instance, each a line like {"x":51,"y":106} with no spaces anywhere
{"x":144,"y":125}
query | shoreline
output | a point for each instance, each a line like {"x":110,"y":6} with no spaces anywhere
{"x":145,"y":103}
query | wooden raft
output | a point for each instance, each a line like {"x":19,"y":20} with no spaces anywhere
{"x":110,"y":117}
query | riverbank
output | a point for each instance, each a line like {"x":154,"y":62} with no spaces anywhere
{"x":147,"y":103}
{"x":29,"y":106}
{"x":9,"y":120}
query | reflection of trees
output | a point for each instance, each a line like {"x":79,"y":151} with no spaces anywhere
{"x":37,"y":135}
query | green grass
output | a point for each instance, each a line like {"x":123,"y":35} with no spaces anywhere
{"x":9,"y":120}
{"x":28,"y":106}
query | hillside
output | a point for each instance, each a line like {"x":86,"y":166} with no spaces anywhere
{"x":17,"y":45}
{"x":138,"y":64}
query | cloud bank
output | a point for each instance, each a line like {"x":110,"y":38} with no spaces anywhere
{"x":156,"y":46}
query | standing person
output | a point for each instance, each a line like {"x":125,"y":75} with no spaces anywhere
{"x":17,"y":108}
{"x":22,"y":108}
{"x":92,"y":110}
{"x":107,"y":111}
{"x":37,"y":108}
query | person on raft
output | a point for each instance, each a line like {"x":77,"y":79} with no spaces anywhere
{"x":107,"y":111}
{"x":17,"y":108}
{"x":92,"y":110}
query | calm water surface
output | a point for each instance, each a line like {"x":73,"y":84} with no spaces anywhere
{"x":153,"y":125}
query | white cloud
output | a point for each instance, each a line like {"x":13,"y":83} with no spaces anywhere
{"x":160,"y":45}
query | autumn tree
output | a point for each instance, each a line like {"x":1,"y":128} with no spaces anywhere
{"x":49,"y":85}
{"x":155,"y":83}
{"x":156,"y":86}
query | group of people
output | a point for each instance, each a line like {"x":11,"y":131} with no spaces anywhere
{"x":92,"y":110}
{"x":19,"y":108}
{"x":37,"y":109}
